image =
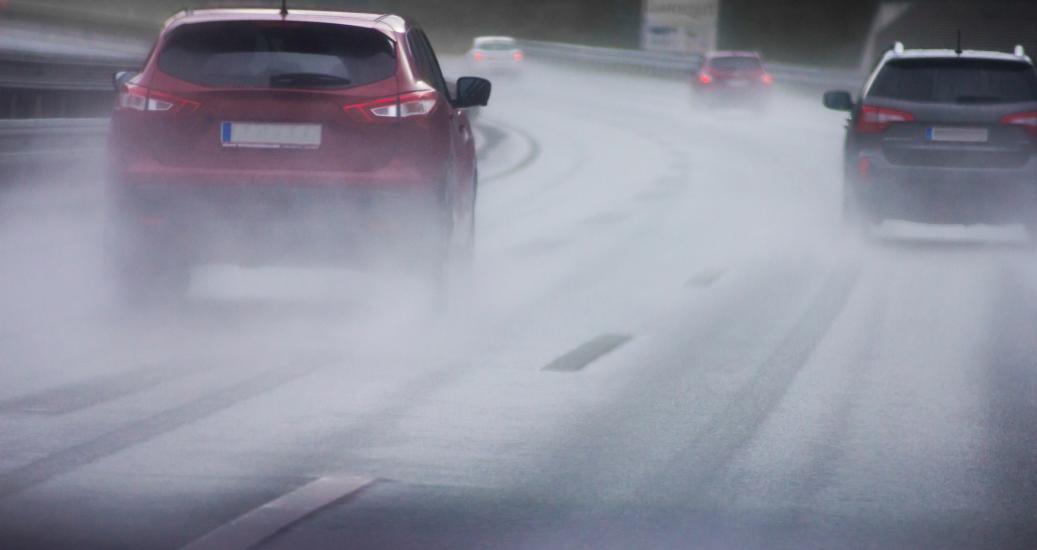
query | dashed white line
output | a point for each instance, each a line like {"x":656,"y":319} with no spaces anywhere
{"x":262,"y":523}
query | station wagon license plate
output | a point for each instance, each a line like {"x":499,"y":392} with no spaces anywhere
{"x":270,"y":135}
{"x":958,"y":135}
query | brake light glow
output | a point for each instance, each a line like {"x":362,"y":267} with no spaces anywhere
{"x":139,"y":98}
{"x":518,"y":55}
{"x":705,"y":78}
{"x":875,"y":120}
{"x":767,"y":79}
{"x":864,"y":168}
{"x":407,"y":105}
{"x":479,"y":56}
{"x":1027,"y":120}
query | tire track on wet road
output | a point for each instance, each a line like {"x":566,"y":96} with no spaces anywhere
{"x":70,"y":398}
{"x":140,"y":431}
{"x":733,"y":426}
{"x":1011,"y":387}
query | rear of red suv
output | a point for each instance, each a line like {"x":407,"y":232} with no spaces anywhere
{"x":256,"y":137}
{"x":733,"y":79}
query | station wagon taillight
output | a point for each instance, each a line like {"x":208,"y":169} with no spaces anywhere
{"x":139,"y":98}
{"x":875,"y":120}
{"x":1027,"y":120}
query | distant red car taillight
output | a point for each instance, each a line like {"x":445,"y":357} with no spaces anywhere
{"x":767,"y":79}
{"x":390,"y":108}
{"x":1027,"y":120}
{"x":705,"y":78}
{"x":518,"y":56}
{"x":479,"y":56}
{"x":875,"y":120}
{"x":139,"y":98}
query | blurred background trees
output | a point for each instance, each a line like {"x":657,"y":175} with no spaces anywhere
{"x":819,"y":32}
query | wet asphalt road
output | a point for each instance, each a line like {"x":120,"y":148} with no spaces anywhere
{"x":665,"y":342}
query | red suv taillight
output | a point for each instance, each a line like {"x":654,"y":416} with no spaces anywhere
{"x":1027,"y":120}
{"x":479,"y":56}
{"x":705,"y":78}
{"x":767,"y":79}
{"x":139,"y":98}
{"x":407,"y":105}
{"x":518,"y":56}
{"x":875,"y":120}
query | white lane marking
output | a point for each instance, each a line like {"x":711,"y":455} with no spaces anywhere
{"x":260,"y":524}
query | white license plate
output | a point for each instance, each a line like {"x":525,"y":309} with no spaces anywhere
{"x":958,"y":135}
{"x":270,"y":136}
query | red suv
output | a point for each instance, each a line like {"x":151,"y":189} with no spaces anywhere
{"x":733,"y":78}
{"x":256,"y":136}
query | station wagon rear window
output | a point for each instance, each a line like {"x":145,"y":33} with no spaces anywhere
{"x":959,"y":81}
{"x":261,"y":54}
{"x":496,"y":45}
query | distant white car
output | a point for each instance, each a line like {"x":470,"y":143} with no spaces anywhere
{"x":495,"y":55}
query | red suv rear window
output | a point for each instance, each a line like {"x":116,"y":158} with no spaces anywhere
{"x":277,"y":54}
{"x":736,"y":63}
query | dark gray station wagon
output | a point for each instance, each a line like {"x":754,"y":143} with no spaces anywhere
{"x":942,"y":136}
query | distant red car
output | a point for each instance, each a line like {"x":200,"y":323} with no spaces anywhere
{"x":733,"y":78}
{"x":256,"y":137}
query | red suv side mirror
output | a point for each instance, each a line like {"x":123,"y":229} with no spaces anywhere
{"x":472,"y":91}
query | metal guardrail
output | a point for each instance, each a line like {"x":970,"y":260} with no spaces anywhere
{"x":51,"y":140}
{"x":59,"y":72}
{"x":679,"y":64}
{"x":593,"y":55}
{"x":38,"y":57}
{"x":22,"y":73}
{"x":47,"y":76}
